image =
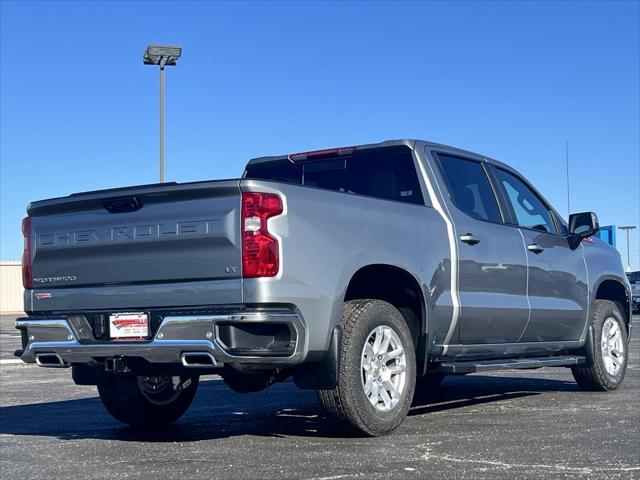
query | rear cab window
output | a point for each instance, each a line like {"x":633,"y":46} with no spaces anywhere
{"x":278,"y":171}
{"x":469,"y":188}
{"x":387,"y":173}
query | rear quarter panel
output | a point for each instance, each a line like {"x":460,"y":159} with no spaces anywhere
{"x":325,"y":237}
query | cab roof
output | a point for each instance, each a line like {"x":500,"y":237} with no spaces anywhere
{"x":413,"y":144}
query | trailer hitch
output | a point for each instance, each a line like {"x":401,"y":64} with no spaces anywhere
{"x":116,"y":365}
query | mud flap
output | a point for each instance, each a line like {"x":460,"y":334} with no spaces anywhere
{"x":322,"y":375}
{"x":422,"y":354}
{"x":589,"y":349}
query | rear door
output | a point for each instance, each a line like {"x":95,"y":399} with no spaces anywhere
{"x":557,"y":274}
{"x":492,"y":271}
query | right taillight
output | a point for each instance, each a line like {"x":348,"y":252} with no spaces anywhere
{"x":260,"y":250}
{"x":27,"y":277}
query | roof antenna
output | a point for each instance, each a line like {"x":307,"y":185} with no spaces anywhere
{"x":566,"y":145}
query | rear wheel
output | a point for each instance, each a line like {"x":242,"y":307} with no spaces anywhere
{"x":377,"y":369}
{"x":146,"y":400}
{"x":610,"y":350}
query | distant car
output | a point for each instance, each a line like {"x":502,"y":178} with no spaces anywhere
{"x":634,"y":280}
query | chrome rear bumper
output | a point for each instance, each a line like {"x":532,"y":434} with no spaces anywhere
{"x":73,"y":342}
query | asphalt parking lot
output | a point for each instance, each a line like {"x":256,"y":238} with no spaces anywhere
{"x":528,"y":424}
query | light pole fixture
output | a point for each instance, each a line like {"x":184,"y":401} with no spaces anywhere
{"x":162,"y":56}
{"x":628,"y":228}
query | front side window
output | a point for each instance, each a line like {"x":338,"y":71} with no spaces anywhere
{"x":529,"y":209}
{"x":470,"y":188}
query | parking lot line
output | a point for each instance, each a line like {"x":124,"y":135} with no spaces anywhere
{"x":11,"y":361}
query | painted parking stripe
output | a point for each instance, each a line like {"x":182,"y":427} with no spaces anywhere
{"x":11,"y":361}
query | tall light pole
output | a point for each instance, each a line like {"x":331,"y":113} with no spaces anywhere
{"x":628,"y":228}
{"x":162,"y":56}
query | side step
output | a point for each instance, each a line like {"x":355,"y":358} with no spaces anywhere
{"x":509,"y":364}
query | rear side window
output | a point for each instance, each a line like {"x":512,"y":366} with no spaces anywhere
{"x":470,"y":188}
{"x":387,"y":173}
{"x":529,"y":209}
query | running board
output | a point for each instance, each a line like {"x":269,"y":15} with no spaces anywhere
{"x":509,"y":364}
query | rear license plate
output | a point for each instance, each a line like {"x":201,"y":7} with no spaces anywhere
{"x":129,"y":325}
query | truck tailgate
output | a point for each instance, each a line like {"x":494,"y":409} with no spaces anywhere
{"x":142,"y":236}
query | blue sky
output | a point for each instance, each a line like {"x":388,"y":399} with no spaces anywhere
{"x":513,"y":80}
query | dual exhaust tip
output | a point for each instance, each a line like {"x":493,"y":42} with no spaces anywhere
{"x":198,"y":360}
{"x":51,"y":360}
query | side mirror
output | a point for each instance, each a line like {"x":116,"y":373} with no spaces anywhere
{"x":582,"y":225}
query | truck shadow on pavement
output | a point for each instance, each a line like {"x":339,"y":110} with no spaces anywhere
{"x":282,"y":410}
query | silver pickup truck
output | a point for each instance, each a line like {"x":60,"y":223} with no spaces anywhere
{"x":362,"y":272}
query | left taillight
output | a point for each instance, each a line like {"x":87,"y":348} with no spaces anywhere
{"x":260,"y":249}
{"x":27,"y":277}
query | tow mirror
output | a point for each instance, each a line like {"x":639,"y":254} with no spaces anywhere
{"x":582,"y":225}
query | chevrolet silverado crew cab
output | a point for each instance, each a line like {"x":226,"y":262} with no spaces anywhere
{"x":362,"y":272}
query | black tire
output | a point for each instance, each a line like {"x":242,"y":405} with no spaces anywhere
{"x":596,"y":377}
{"x":348,"y":404}
{"x":129,"y":402}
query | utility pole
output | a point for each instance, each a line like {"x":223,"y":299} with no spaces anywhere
{"x":628,"y":228}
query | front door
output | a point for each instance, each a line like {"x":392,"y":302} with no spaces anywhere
{"x":492,"y":270}
{"x":557,"y":278}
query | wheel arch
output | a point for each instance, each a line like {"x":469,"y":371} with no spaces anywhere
{"x":614,"y":289}
{"x":392,"y":284}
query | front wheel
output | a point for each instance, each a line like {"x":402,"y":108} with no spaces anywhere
{"x":146,"y":400}
{"x":610,"y":350}
{"x":377,"y":369}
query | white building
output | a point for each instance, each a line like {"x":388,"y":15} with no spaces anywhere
{"x":11,"y":289}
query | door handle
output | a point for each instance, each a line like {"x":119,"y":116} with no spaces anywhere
{"x":535,"y":248}
{"x":469,"y":239}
